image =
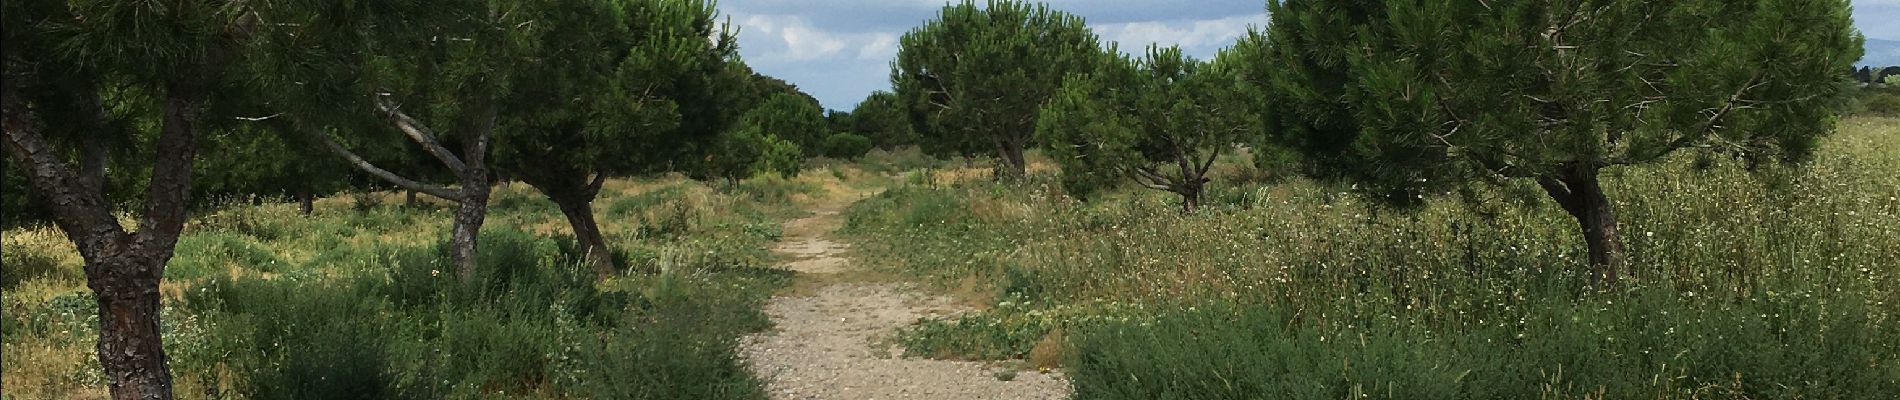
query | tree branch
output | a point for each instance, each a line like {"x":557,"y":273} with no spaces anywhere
{"x":173,"y":153}
{"x":1154,"y":179}
{"x":81,"y":212}
{"x":420,"y":134}
{"x":1714,"y":123}
{"x":593,"y":187}
{"x":442,"y":192}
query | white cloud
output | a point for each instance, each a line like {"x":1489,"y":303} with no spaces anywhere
{"x":1199,"y":37}
{"x":883,"y":46}
{"x":793,"y":38}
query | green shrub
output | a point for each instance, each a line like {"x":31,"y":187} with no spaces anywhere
{"x":530,"y":322}
{"x":687,"y":349}
{"x":907,"y":158}
{"x":1652,"y":344}
{"x":996,"y":335}
{"x":672,"y":221}
{"x":1744,"y":280}
{"x":295,"y":341}
{"x":846,"y":146}
{"x":772,"y":189}
{"x":1881,"y":103}
{"x":70,"y":316}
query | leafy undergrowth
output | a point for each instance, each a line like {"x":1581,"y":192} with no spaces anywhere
{"x":1645,"y":344}
{"x":359,"y":302}
{"x":1775,"y":283}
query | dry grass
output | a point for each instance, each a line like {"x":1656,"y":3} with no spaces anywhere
{"x":1704,"y":238}
{"x":61,"y":365}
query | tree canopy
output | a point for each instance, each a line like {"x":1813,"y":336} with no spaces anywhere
{"x":1160,"y":121}
{"x":1417,"y":97}
{"x":975,"y":78}
{"x":793,"y":117}
{"x":882,"y":118}
{"x":612,"y":88}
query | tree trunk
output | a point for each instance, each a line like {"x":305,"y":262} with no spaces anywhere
{"x":306,"y":202}
{"x":466,"y":233}
{"x":1010,"y":156}
{"x":471,"y":169}
{"x":129,"y":345}
{"x":593,"y":246}
{"x":574,"y":193}
{"x":1190,"y":200}
{"x":1190,"y":191}
{"x":1580,"y":193}
{"x":123,"y":269}
{"x":409,"y":198}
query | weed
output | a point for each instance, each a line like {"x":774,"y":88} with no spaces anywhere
{"x":1741,"y":276}
{"x":265,"y":303}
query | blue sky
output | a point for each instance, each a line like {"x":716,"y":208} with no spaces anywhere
{"x":840,"y":50}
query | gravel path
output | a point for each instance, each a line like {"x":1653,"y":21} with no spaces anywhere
{"x":825,"y":344}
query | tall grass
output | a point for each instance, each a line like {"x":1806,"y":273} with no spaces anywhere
{"x":357,"y":302}
{"x":1745,"y":281}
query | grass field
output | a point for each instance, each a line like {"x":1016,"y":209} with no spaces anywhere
{"x":1779,"y":283}
{"x":355,"y":301}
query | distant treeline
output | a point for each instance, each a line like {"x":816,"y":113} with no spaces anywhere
{"x":1875,"y":75}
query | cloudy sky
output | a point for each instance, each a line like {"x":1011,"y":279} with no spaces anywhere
{"x":840,"y":50}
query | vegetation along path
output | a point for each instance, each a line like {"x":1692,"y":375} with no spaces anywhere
{"x":827,"y":341}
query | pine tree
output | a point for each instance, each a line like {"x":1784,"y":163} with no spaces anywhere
{"x":81,"y":79}
{"x":612,"y":89}
{"x":882,"y":118}
{"x":975,"y":78}
{"x":1160,"y":121}
{"x":1416,"y":97}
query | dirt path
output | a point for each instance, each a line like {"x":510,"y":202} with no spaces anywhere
{"x":824,"y":346}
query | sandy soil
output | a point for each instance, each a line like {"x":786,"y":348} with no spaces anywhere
{"x":828,"y":342}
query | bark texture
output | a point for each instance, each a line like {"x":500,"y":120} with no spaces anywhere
{"x":575,"y":197}
{"x":1580,"y":192}
{"x":465,"y":237}
{"x":129,"y":345}
{"x":122,"y":268}
{"x":593,"y":245}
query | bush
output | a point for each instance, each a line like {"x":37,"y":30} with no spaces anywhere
{"x":846,"y":146}
{"x":907,"y":158}
{"x":687,"y":350}
{"x":1648,"y":345}
{"x":530,"y":321}
{"x":296,"y":341}
{"x":1006,"y":333}
{"x":1881,"y":103}
{"x":1744,"y":283}
{"x":772,"y":189}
